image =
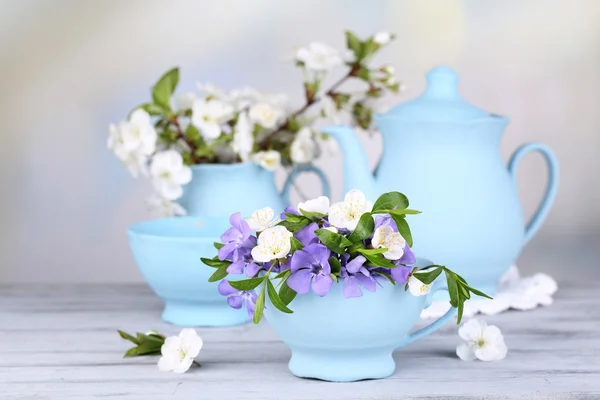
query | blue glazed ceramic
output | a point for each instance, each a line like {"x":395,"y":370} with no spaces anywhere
{"x":167,"y":252}
{"x":341,"y":340}
{"x":444,"y":154}
{"x":219,"y":190}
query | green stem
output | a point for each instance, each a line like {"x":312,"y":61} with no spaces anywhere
{"x":197,"y":363}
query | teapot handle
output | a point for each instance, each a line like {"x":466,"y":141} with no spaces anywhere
{"x":297,"y":170}
{"x":435,"y":325}
{"x":544,"y":207}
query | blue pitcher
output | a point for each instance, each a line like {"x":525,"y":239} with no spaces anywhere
{"x":219,"y":190}
{"x":444,"y":154}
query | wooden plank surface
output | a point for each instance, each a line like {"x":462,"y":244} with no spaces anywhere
{"x":59,"y":342}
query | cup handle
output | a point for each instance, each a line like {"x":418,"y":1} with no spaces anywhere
{"x":434,"y":326}
{"x":544,"y":207}
{"x":297,"y":170}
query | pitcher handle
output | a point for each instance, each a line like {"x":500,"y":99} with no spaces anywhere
{"x":435,"y":325}
{"x":297,"y":170}
{"x":544,"y":207}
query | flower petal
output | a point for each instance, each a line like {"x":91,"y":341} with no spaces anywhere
{"x":225,"y":289}
{"x":184,"y":365}
{"x":351,"y":288}
{"x":299,"y":281}
{"x":465,"y":352}
{"x":235,"y":302}
{"x":367,"y":282}
{"x":491,"y":351}
{"x":167,"y":363}
{"x":321,"y":284}
{"x":301,"y":259}
{"x":400,"y":273}
{"x":408,"y":257}
{"x":236,"y":267}
{"x":355,"y":265}
{"x":472,"y":330}
{"x":252,"y":269}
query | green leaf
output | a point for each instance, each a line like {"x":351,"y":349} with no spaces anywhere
{"x":403,"y":229}
{"x":283,"y":274}
{"x":192,"y":133}
{"x":129,"y":337}
{"x":379,"y":250}
{"x":259,"y":307}
{"x":218,"y":245}
{"x":219,"y":274}
{"x":376,"y":259}
{"x":334,"y":241}
{"x":335,"y":265}
{"x":403,"y":212}
{"x":313,"y":216}
{"x":460,"y":312}
{"x":369,"y":47}
{"x":152,"y":109}
{"x":132,"y":352}
{"x":286,"y":293}
{"x":334,"y":277}
{"x":427,"y":277}
{"x":364,"y":74}
{"x":479,"y":293}
{"x":385,"y":274}
{"x":274,"y":297}
{"x":296,"y":245}
{"x":390,"y":201}
{"x":215,"y":262}
{"x":452,"y":290}
{"x":294,"y":227}
{"x":354,"y":44}
{"x":364,"y":228}
{"x":164,"y":88}
{"x":247,"y":284}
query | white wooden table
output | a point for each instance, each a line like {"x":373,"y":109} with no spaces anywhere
{"x":60,"y":342}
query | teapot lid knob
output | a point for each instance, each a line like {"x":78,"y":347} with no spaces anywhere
{"x":440,"y":102}
{"x":442,"y":83}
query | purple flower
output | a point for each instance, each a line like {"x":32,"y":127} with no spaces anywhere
{"x":306,"y":235}
{"x":311,"y":264}
{"x":355,"y":275}
{"x":385,"y":219}
{"x":238,"y":242}
{"x":400,"y":273}
{"x":289,"y":210}
{"x":236,"y":298}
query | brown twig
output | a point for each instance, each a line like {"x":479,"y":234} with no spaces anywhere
{"x":180,"y":135}
{"x":264,"y":143}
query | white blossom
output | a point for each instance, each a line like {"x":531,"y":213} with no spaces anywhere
{"x":386,"y":237}
{"x":318,"y":56}
{"x":243,"y":137}
{"x":265,"y":115}
{"x":389,"y":69}
{"x":269,"y":160}
{"x":262,"y":219}
{"x":169,"y":174}
{"x":347,"y":213}
{"x":382,"y":38}
{"x":329,"y":109}
{"x":211,"y":90}
{"x":481,"y":341}
{"x":244,"y":98}
{"x":179,"y":352}
{"x":272,"y":243}
{"x":416,"y":287}
{"x":303,"y":148}
{"x":208,"y":115}
{"x":163,"y":208}
{"x":185,"y":101}
{"x":135,"y":158}
{"x":319,"y":205}
{"x":331,"y":229}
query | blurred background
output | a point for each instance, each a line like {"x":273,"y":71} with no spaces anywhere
{"x":68,"y":68}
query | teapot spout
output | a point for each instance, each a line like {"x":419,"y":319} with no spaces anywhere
{"x":357,"y":173}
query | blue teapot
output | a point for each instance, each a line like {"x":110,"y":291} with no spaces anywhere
{"x":444,"y":154}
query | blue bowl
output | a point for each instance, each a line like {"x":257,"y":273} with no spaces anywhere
{"x":167,"y":252}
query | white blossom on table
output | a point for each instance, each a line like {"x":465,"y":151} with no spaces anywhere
{"x":480,"y":342}
{"x":179,"y":352}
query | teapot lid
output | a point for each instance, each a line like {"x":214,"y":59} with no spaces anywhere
{"x":440,"y":101}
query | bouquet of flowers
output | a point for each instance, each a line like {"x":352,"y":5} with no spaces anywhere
{"x":316,"y":245}
{"x":166,"y":135}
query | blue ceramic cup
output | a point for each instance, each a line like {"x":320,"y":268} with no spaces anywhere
{"x":338,"y":339}
{"x":167,"y":252}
